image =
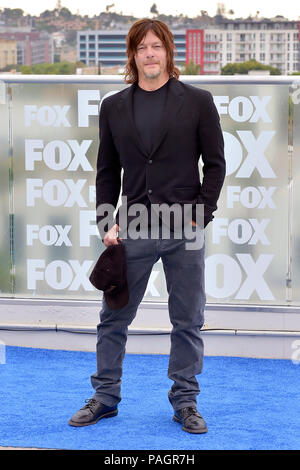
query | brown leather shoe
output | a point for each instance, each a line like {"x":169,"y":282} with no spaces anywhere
{"x":191,"y":420}
{"x":92,"y":412}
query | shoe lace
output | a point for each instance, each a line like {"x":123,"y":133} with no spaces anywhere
{"x":90,"y":403}
{"x":189,"y":411}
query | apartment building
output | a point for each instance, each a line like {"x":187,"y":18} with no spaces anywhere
{"x":32,"y":47}
{"x":271,"y":42}
{"x":274,"y":42}
{"x":109,"y":47}
{"x":8,"y":52}
{"x":202,"y":48}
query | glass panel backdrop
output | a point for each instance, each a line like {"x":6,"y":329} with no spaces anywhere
{"x":6,"y":286}
{"x":56,"y":242}
{"x":295,"y":188}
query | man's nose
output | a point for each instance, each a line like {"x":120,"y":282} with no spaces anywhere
{"x":150,"y":52}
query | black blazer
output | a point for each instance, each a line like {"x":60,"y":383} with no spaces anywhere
{"x":170,"y":174}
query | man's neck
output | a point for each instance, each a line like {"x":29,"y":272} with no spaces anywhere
{"x":152,"y":84}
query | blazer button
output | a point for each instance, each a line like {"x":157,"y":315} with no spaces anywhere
{"x":150,"y":191}
{"x":150,"y":161}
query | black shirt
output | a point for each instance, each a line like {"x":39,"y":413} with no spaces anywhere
{"x":148,"y":109}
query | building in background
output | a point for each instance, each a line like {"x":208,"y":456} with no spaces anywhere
{"x":8,"y":52}
{"x":194,"y":47}
{"x":68,"y":54}
{"x":273,"y":42}
{"x":202,"y":48}
{"x":32,"y":47}
{"x":108,"y":47}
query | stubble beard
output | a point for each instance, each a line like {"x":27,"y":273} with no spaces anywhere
{"x":152,"y":75}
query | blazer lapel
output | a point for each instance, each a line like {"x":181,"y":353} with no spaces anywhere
{"x":173,"y":105}
{"x":126,"y":111}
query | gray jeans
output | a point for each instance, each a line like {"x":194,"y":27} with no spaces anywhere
{"x":184,"y":272}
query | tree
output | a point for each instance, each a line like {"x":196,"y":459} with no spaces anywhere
{"x":44,"y":69}
{"x":58,"y":68}
{"x":108,"y":7}
{"x":245,"y":67}
{"x":25,"y":70}
{"x":13,"y":12}
{"x":46,"y":14}
{"x":154,"y":9}
{"x":65,"y":13}
{"x":9,"y":67}
{"x":191,"y":69}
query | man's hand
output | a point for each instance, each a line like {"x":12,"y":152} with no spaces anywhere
{"x":111,"y":236}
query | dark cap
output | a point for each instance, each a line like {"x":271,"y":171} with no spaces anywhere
{"x":110,"y":276}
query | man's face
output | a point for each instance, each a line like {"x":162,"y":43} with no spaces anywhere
{"x":151,"y":57}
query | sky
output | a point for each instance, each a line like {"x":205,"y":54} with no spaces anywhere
{"x":139,"y":8}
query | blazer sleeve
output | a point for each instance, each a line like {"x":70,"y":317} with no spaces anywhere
{"x":212,"y":149}
{"x":108,"y":176}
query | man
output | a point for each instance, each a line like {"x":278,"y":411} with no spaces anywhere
{"x":156,"y":130}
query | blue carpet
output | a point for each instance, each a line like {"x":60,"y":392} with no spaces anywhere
{"x":249,"y":404}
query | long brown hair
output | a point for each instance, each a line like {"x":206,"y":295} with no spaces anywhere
{"x":136,"y":34}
